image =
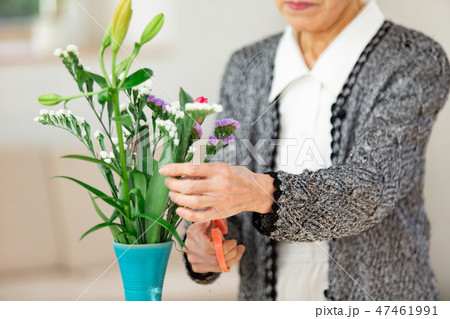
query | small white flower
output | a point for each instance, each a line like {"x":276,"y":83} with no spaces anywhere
{"x":72,"y":48}
{"x":125,"y":147}
{"x":51,"y":113}
{"x":123,"y":107}
{"x":204,"y":107}
{"x":60,"y":113}
{"x":125,"y":132}
{"x":43,"y":112}
{"x":65,"y":54}
{"x":98,"y":134}
{"x":58,"y":52}
{"x":80,"y":120}
{"x":115,"y":140}
{"x":108,"y":160}
{"x":144,"y":88}
{"x":176,"y":141}
{"x":121,"y":75}
{"x":103,"y":154}
{"x":217,"y":108}
{"x":37,"y":119}
{"x":69,"y":113}
{"x":111,"y":155}
{"x":191,"y":149}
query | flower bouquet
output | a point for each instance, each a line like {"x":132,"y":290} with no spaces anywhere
{"x":138,"y":133}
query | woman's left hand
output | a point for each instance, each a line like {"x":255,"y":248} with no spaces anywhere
{"x":217,"y":190}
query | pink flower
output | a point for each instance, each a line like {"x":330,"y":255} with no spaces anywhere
{"x":201,"y":99}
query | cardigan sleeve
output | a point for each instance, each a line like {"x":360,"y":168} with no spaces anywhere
{"x":232,"y":74}
{"x":383,"y":166}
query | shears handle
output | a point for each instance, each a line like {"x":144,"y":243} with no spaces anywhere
{"x":219,"y":227}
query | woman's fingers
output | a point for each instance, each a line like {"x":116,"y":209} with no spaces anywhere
{"x":198,"y":216}
{"x":187,"y":185}
{"x":184,"y":169}
{"x":201,"y":253}
{"x":192,"y":201}
{"x":240,"y":252}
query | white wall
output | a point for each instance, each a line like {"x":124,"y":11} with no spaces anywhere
{"x":192,"y":51}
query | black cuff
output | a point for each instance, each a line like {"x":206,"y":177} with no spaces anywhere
{"x":200,"y":278}
{"x":265,"y":223}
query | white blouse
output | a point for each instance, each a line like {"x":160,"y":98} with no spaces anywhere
{"x":305,"y":100}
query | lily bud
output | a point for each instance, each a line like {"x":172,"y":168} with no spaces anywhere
{"x":120,"y":23}
{"x":152,"y":28}
{"x":106,"y":42}
{"x":50,"y":99}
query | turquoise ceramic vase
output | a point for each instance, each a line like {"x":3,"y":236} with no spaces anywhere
{"x":143,"y":268}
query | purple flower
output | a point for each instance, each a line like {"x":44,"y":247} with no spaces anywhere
{"x":198,"y":130}
{"x":228,"y":122}
{"x":157,"y":102}
{"x":213,"y":140}
{"x":228,"y":139}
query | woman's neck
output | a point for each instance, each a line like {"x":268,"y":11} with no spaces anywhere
{"x":313,"y":44}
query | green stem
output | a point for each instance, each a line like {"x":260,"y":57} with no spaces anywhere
{"x":84,"y":95}
{"x":123,"y":162}
{"x":127,"y":69}
{"x":102,"y":64}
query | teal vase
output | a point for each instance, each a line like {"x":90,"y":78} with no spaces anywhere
{"x":143,"y":268}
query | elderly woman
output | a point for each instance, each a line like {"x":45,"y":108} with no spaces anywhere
{"x":336,"y":114}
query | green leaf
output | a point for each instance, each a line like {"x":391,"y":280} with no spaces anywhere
{"x":123,"y":65}
{"x":165,"y":224}
{"x":137,"y":78}
{"x":100,"y":226}
{"x":139,"y":181}
{"x":114,"y":215}
{"x":184,"y":99}
{"x":125,"y":120}
{"x":50,"y":99}
{"x":152,"y":28}
{"x":109,"y":200}
{"x":140,"y":202}
{"x":93,"y":160}
{"x":113,"y":229}
{"x":100,"y":80}
{"x":81,"y":78}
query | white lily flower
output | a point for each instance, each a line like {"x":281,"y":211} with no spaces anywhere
{"x":192,"y":149}
{"x":115,"y":140}
{"x":176,"y":141}
{"x":111,"y":155}
{"x":108,"y":160}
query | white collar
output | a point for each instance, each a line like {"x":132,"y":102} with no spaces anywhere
{"x":335,"y":64}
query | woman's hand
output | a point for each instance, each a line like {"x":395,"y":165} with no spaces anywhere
{"x":217,"y":190}
{"x":201,"y":253}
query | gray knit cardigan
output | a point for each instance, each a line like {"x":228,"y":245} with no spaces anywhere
{"x":369,"y":203}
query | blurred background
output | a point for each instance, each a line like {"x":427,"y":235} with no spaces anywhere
{"x":41,"y":220}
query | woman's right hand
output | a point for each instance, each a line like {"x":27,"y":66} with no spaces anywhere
{"x":201,"y":253}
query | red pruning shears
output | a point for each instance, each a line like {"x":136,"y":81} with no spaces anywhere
{"x":219,"y":227}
